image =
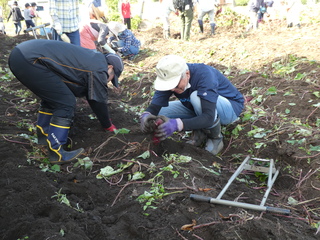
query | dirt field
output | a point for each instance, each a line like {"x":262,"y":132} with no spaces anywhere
{"x":277,"y":70}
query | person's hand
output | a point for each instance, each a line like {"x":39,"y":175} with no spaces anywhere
{"x":168,"y":127}
{"x":147,"y":122}
{"x":58,"y":27}
{"x":112,"y":128}
{"x":65,"y":38}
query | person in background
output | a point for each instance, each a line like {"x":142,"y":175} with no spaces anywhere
{"x":2,"y":27}
{"x":27,"y":16}
{"x":167,"y":7}
{"x":65,"y":18}
{"x":206,"y":7}
{"x":264,"y":10}
{"x":17,"y":17}
{"x":254,"y":7}
{"x":58,"y":72}
{"x":126,"y":43}
{"x":95,"y":31}
{"x":126,"y":13}
{"x":293,"y":13}
{"x":186,"y":16}
{"x":34,"y":13}
{"x":206,"y":99}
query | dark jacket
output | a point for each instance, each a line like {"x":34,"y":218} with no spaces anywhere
{"x":84,"y":71}
{"x":103,"y":31}
{"x":16,"y":14}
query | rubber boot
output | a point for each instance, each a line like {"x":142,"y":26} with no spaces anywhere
{"x":200,"y":25}
{"x":213,"y":26}
{"x":215,"y":138}
{"x":57,"y":136}
{"x":43,"y":122}
{"x":198,"y":138}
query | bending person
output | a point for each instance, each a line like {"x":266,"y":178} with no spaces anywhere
{"x":58,"y":72}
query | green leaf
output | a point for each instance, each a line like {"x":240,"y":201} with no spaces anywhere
{"x":246,"y":117}
{"x":145,"y":155}
{"x":317,"y":94}
{"x":55,"y":168}
{"x":315,"y":148}
{"x":272,"y":91}
{"x":122,"y":131}
{"x":137,"y":175}
{"x":292,"y":201}
{"x":316,"y":105}
{"x":287,"y":111}
{"x":299,"y":76}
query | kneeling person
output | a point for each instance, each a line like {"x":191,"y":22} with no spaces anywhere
{"x":207,"y":99}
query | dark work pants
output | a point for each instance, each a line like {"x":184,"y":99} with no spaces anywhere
{"x":127,"y":21}
{"x":44,"y":83}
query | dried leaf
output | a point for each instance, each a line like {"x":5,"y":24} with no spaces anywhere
{"x":189,"y":227}
{"x":205,"y":189}
{"x":135,"y":168}
{"x":224,"y":218}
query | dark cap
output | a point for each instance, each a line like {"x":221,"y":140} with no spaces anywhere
{"x":27,"y":5}
{"x":116,"y":62}
{"x":15,"y":3}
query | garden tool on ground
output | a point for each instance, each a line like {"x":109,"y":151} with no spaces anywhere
{"x":63,"y":36}
{"x":33,"y":30}
{"x":57,"y":137}
{"x":249,"y":164}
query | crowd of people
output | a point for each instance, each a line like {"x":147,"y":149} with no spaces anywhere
{"x":59,"y":71}
{"x":185,"y":9}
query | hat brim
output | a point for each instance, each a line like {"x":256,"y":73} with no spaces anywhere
{"x":161,"y":84}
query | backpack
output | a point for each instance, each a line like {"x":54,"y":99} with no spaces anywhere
{"x":179,"y":4}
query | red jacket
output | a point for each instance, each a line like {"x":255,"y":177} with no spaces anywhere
{"x":125,"y":10}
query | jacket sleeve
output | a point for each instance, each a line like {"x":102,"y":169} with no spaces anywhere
{"x":19,"y":13}
{"x":9,"y":15}
{"x":205,"y":120}
{"x":103,"y":33}
{"x":102,"y":112}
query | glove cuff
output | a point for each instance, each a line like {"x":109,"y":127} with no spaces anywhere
{"x":179,"y":124}
{"x":108,"y":48}
{"x":144,"y":114}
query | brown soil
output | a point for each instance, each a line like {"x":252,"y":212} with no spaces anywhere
{"x":109,"y":207}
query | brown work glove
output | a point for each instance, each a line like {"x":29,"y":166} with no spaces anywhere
{"x":147,"y":122}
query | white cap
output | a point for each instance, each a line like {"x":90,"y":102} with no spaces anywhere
{"x":169,"y":70}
